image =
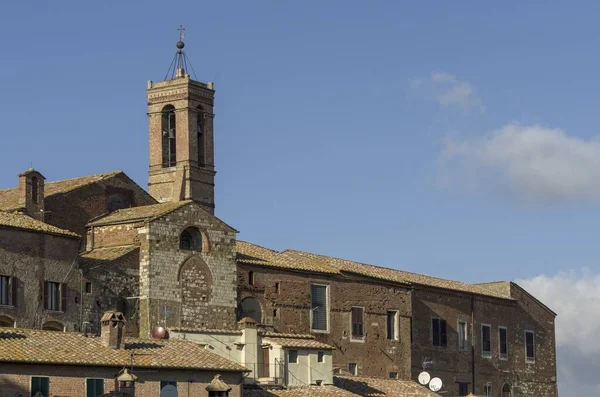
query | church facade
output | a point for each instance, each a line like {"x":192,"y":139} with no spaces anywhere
{"x":71,"y":250}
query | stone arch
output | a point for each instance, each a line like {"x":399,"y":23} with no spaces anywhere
{"x":251,"y":307}
{"x":194,"y":239}
{"x":53,"y":326}
{"x":506,"y":390}
{"x":195,"y":282}
{"x":6,"y":321}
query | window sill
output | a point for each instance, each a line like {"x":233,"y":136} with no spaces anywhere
{"x":487,"y":356}
{"x":357,"y":339}
{"x":7,"y":307}
{"x":529,"y":361}
{"x":54,"y":311}
{"x":319,"y":331}
{"x":504,"y":358}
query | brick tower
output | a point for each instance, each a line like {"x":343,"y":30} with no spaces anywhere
{"x":180,"y":113}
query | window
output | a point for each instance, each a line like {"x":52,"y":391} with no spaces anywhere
{"x":94,"y":387}
{"x":251,"y":278}
{"x":293,"y":356}
{"x":35,"y":184}
{"x":168,"y":388}
{"x":7,"y":322}
{"x":353,"y":368}
{"x":320,"y":357}
{"x":55,"y":296}
{"x":357,"y":323}
{"x":438,"y":327}
{"x":463,"y":388}
{"x":462,"y":335}
{"x":320,"y":309}
{"x":530,"y":346}
{"x":503,"y":339}
{"x":392,"y":325}
{"x":116,"y":202}
{"x":506,"y":390}
{"x":277,"y":288}
{"x":40,"y":385}
{"x":393,"y":375}
{"x":5,"y":290}
{"x":486,"y":341}
{"x":275,"y":313}
{"x":200,"y":129}
{"x":250,"y":307}
{"x":190,"y":240}
{"x":487,"y":390}
{"x":88,"y":287}
{"x":169,"y":150}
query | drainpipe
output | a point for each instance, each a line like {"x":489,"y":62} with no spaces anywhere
{"x":473,"y":342}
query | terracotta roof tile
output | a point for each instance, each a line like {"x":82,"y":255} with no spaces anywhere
{"x":364,"y":386}
{"x":306,"y":261}
{"x":107,"y":253}
{"x":25,"y":222}
{"x":207,"y":330}
{"x":9,"y":198}
{"x":298,"y":343}
{"x":70,"y":348}
{"x":142,"y":213}
{"x":307,"y":391}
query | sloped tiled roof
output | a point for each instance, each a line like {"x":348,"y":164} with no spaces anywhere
{"x":306,"y":261}
{"x":351,"y":387}
{"x":70,"y":348}
{"x":9,"y":198}
{"x":108,"y":253}
{"x":298,"y":343}
{"x":364,"y":386}
{"x":145,"y":212}
{"x":25,"y":222}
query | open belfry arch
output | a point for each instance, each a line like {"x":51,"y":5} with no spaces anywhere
{"x":180,"y":115}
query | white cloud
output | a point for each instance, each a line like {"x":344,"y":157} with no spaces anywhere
{"x":575,"y":297}
{"x":536,"y":163}
{"x":449,"y":91}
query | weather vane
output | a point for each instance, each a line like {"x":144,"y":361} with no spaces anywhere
{"x":181,"y":34}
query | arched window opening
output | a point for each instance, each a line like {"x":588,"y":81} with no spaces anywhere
{"x":201,"y":137}
{"x":169,"y":158}
{"x":7,"y":322}
{"x":250,"y":307}
{"x":53,"y":326}
{"x":506,"y":390}
{"x":191,"y":239}
{"x":116,"y":202}
{"x":35,"y":190}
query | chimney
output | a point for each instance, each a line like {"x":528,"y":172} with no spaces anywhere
{"x":250,"y":341}
{"x":112,"y":332}
{"x":31,"y":193}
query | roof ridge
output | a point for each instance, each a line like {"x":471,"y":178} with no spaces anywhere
{"x":260,"y":246}
{"x":103,"y":174}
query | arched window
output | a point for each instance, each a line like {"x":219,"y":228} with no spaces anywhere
{"x":169,"y":158}
{"x":506,"y":390}
{"x":191,"y":239}
{"x":6,"y":321}
{"x":250,"y":307}
{"x":116,"y":202}
{"x":201,"y":137}
{"x":53,"y":326}
{"x":34,"y":190}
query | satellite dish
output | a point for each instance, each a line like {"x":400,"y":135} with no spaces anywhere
{"x":435,"y":384}
{"x":424,"y":378}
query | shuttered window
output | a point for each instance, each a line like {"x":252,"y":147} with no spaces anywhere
{"x":320,"y":311}
{"x":358,"y":331}
{"x":503,"y":342}
{"x":40,"y":385}
{"x":392,"y":325}
{"x":4,"y":290}
{"x":94,"y":387}
{"x":438,"y":332}
{"x":55,"y":296}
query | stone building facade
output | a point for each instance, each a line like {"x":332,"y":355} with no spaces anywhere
{"x":162,"y":257}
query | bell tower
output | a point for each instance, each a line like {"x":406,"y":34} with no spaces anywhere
{"x":180,"y":114}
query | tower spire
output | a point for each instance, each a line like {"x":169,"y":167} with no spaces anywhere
{"x":179,"y":64}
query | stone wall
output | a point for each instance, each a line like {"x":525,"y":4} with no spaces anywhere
{"x":34,"y":258}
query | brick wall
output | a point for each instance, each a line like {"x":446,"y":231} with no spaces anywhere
{"x":70,"y":381}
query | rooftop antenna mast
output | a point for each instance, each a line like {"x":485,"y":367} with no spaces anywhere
{"x":179,"y":64}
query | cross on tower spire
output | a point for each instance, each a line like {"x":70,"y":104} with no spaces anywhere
{"x":181,"y":34}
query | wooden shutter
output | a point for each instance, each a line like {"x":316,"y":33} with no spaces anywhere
{"x":443,"y":334}
{"x":44,"y":288}
{"x":63,"y":297}
{"x":435,"y":331}
{"x":14,"y":289}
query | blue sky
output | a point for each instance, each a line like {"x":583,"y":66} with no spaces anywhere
{"x":457,"y":139}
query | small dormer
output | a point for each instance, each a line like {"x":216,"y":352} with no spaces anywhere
{"x":31,"y":193}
